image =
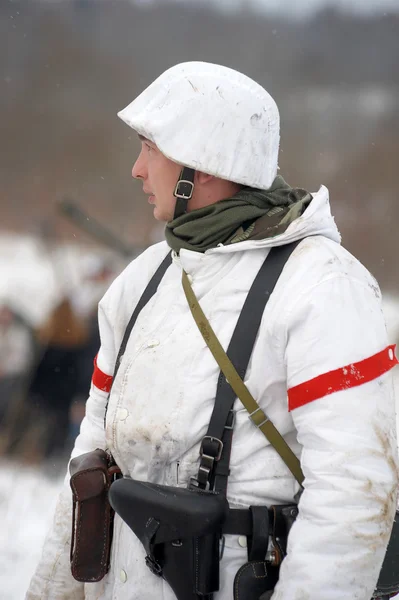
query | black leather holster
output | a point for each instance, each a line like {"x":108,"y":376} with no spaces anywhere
{"x":180,"y":530}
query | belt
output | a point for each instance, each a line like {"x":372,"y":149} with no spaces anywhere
{"x":238,"y":522}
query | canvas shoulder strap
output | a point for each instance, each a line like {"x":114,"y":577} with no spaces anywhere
{"x":270,"y":271}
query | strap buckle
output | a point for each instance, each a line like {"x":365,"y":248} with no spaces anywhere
{"x":195,"y":484}
{"x":251,"y":416}
{"x":215,"y":457}
{"x":181,"y":190}
{"x":208,"y":456}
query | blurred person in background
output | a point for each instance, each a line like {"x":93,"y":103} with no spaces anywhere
{"x":320,"y":367}
{"x":17,"y":348}
{"x":48,"y":331}
{"x":70,"y":340}
{"x":97,"y":273}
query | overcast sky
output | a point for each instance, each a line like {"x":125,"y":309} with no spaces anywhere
{"x":297,"y":7}
{"x":309,"y":6}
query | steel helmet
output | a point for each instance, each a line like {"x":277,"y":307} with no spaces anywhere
{"x":212,"y":119}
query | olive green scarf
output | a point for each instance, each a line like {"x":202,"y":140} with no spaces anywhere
{"x":249,"y":214}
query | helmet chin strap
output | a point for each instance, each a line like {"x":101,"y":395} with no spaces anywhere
{"x":183,"y":191}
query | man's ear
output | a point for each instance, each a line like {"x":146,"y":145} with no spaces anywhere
{"x":202,"y":178}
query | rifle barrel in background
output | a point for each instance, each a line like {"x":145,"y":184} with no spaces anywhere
{"x":77,"y":215}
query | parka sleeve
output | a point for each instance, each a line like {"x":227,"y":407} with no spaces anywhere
{"x":340,"y":394}
{"x":52,"y":579}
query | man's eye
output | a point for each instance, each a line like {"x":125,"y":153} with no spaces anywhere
{"x":148,"y":147}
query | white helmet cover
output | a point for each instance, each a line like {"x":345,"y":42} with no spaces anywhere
{"x":212,"y":119}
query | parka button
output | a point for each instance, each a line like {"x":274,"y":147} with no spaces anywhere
{"x":123,"y":414}
{"x":242,"y":541}
{"x":123,"y":576}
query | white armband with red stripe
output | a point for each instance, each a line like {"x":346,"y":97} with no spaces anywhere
{"x":343,"y":378}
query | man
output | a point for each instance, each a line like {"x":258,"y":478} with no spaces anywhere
{"x":320,"y":366}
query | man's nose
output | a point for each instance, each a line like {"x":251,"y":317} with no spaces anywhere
{"x":138,"y":169}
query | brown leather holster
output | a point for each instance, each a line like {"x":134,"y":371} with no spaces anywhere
{"x":92,"y":516}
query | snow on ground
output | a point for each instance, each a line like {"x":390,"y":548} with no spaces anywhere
{"x":27,"y":502}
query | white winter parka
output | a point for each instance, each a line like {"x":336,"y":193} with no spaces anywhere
{"x":320,"y":369}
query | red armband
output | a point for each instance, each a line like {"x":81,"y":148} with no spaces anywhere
{"x":343,"y":378}
{"x":100,"y":380}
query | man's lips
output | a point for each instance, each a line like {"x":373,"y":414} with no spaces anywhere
{"x":151,"y":196}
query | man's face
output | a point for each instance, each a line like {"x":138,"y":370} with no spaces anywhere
{"x":159,"y":176}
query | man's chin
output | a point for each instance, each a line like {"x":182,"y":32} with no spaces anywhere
{"x":159,"y":215}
